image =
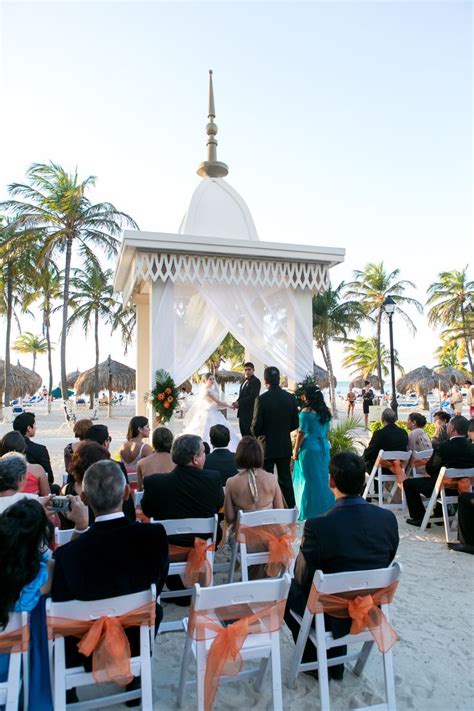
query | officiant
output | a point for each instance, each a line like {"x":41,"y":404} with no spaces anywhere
{"x":248,"y":393}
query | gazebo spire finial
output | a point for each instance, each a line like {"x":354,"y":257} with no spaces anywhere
{"x":212,"y":168}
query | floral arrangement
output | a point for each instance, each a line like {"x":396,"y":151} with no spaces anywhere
{"x":429,"y":428}
{"x":299,"y":390}
{"x":164,"y":396}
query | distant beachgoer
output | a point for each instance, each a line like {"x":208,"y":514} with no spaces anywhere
{"x":367,"y":401}
{"x":135,"y":448}
{"x":350,"y":399}
{"x":456,"y":399}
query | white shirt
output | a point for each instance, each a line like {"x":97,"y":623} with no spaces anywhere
{"x":6,"y":501}
{"x":109,"y":517}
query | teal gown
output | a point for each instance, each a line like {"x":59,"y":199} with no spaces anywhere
{"x":311,"y":470}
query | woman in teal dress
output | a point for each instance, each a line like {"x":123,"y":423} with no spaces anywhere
{"x":311,"y":457}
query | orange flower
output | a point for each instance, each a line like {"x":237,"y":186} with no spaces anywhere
{"x":170,"y":399}
{"x":161,"y":396}
{"x":168,"y":391}
{"x":166,"y":405}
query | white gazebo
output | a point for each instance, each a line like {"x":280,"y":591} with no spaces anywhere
{"x":215,"y":276}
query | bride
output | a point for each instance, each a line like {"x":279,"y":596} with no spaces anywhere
{"x":205,"y":412}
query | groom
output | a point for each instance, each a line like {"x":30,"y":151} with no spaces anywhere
{"x":249,"y":392}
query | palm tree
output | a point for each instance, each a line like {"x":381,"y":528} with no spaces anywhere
{"x":55,"y":206}
{"x":230,"y":349}
{"x":450,"y":354}
{"x":364,"y":356}
{"x":451,"y":299}
{"x":30,"y":343}
{"x":333,"y":319}
{"x":371,"y":286}
{"x":91,"y":299}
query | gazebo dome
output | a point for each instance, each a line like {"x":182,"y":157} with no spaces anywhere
{"x":217,"y":210}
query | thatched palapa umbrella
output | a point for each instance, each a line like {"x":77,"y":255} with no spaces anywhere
{"x":23,"y":381}
{"x":112,"y":376}
{"x":321,"y":377}
{"x":360,"y":382}
{"x":229,"y":376}
{"x":72,"y":377}
{"x":186,"y":387}
{"x":422,"y":381}
{"x":449,"y":373}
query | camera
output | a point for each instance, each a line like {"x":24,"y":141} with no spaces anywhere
{"x":61,"y":503}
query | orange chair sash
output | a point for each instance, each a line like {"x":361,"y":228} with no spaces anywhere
{"x":362,"y":609}
{"x":397,"y":468}
{"x":16,"y":641}
{"x":224,"y":656}
{"x":276,"y":538}
{"x":198,"y":569}
{"x":106,"y":640}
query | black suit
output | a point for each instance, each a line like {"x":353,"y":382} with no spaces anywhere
{"x":276,"y":416}
{"x":222,"y":461}
{"x":457,"y":452}
{"x":353,"y":535}
{"x":248,"y":393}
{"x":38,"y":454}
{"x":112,"y":558}
{"x":390,"y":438}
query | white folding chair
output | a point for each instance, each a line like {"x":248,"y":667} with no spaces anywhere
{"x":364,"y":580}
{"x":188,"y":527}
{"x":62,"y":536}
{"x":64,"y":678}
{"x":385,"y":494}
{"x":264,"y":517}
{"x":423,"y":456}
{"x":439,"y":496}
{"x":263,"y":646}
{"x":17,"y":666}
{"x":138,"y":496}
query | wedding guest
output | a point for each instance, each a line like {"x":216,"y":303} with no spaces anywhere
{"x":36,"y":453}
{"x":13,"y":467}
{"x":275,"y":418}
{"x":457,"y":453}
{"x":245,"y":403}
{"x":160,"y":461}
{"x":465,"y":524}
{"x":350,"y":399}
{"x":36,"y":481}
{"x":80,"y":428}
{"x":367,"y":401}
{"x":221,"y":459}
{"x":253,"y":488}
{"x":353,"y":535}
{"x":135,"y":448}
{"x":390,"y":438}
{"x":311,"y":456}
{"x":470,"y":430}
{"x":440,"y":420}
{"x":418,"y":439}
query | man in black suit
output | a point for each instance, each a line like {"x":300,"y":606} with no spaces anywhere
{"x":113,"y":557}
{"x":390,"y":438}
{"x":457,"y":452}
{"x":35,"y":453}
{"x":353,"y":535}
{"x":275,"y":417}
{"x":221,"y":459}
{"x":248,"y":393}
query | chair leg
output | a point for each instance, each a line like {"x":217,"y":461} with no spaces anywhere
{"x":232,"y":562}
{"x":428,"y":511}
{"x":145,"y":668}
{"x":244,"y":570}
{"x":13,"y":688}
{"x":380,"y":487}
{"x":299,"y":649}
{"x":59,"y":701}
{"x":362,"y":659}
{"x":261,"y":673}
{"x":276,"y":673}
{"x":322,"y":662}
{"x":26,"y":679}
{"x":201,"y":671}
{"x":184,"y":669}
{"x":444,"y":506}
{"x":369,"y":485}
{"x":389,"y":681}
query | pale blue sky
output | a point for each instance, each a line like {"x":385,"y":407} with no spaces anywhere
{"x":343,"y":123}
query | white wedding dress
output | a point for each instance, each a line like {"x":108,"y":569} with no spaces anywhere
{"x":204,"y":413}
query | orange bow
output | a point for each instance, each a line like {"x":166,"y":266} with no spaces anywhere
{"x":273,"y":538}
{"x":197,"y":564}
{"x":364,"y":611}
{"x":15,"y":641}
{"x":106,"y":640}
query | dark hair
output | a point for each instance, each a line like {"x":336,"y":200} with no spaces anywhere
{"x":442,"y":415}
{"x":249,"y":454}
{"x":417,"y":418}
{"x":97,"y":433}
{"x":81,"y":428}
{"x":207,"y":449}
{"x":219,"y":435}
{"x":185,"y":448}
{"x":468,"y":382}
{"x":347,"y":472}
{"x":460,"y":424}
{"x":12,"y":442}
{"x":208,"y":375}
{"x":135,"y":424}
{"x":366,"y":382}
{"x":315,"y":400}
{"x":162,"y":439}
{"x":271,"y":375}
{"x":470,"y":427}
{"x":24,"y":530}
{"x":85,"y":454}
{"x":12,"y":470}
{"x":249,"y":365}
{"x":389,"y":416}
{"x":23,"y":421}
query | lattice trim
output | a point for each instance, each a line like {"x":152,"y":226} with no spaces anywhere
{"x":203,"y":269}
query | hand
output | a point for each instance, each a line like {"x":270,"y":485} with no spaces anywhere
{"x":46,"y":502}
{"x":79,"y":513}
{"x":294,"y":456}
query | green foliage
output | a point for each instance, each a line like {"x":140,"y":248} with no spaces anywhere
{"x":362,"y":355}
{"x":164,"y":396}
{"x":343,"y":437}
{"x":309,"y":379}
{"x":230,"y":349}
{"x":429,"y":428}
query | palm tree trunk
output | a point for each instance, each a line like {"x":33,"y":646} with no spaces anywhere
{"x":379,"y":355}
{"x":67,"y":275}
{"x":466,"y":341}
{"x":332,"y":392}
{"x":50,"y":362}
{"x":8,"y":333}
{"x":34,"y":359}
{"x":96,"y":369}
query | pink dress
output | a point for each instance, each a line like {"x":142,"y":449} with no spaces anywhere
{"x":32,"y":484}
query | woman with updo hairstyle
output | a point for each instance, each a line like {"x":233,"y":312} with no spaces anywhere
{"x":135,"y":448}
{"x":418,"y":439}
{"x":85,"y":454}
{"x":311,"y":457}
{"x":79,"y":430}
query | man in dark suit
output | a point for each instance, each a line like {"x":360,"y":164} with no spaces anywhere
{"x":113,"y":557}
{"x":221,"y":459}
{"x":457,"y":452}
{"x":35,"y":453}
{"x":390,"y":438}
{"x":248,"y":393}
{"x":353,"y":535}
{"x":275,"y":417}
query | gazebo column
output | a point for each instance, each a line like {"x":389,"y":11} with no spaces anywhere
{"x":304,"y":300}
{"x":162,"y":341}
{"x":143,"y":352}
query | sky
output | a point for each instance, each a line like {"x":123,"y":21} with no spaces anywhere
{"x":345,"y":124}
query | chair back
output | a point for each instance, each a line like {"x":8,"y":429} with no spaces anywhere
{"x":94,"y":609}
{"x":389,"y":456}
{"x":16,"y":621}
{"x":186,"y":526}
{"x":422,"y":456}
{"x":61,"y":537}
{"x":255,"y":591}
{"x":266,"y":517}
{"x":356,"y":580}
{"x":455,"y":473}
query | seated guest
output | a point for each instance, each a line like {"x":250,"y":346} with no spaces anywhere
{"x":13,"y":467}
{"x":36,"y":479}
{"x":440,"y":420}
{"x":390,"y":438}
{"x":80,"y":428}
{"x":353,"y":535}
{"x":470,"y":431}
{"x":36,"y":453}
{"x":418,"y":439}
{"x":252,"y":488}
{"x":114,"y":557}
{"x":135,"y":448}
{"x":457,"y":453}
{"x":465,"y":524}
{"x":160,"y":461}
{"x":221,"y":458}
